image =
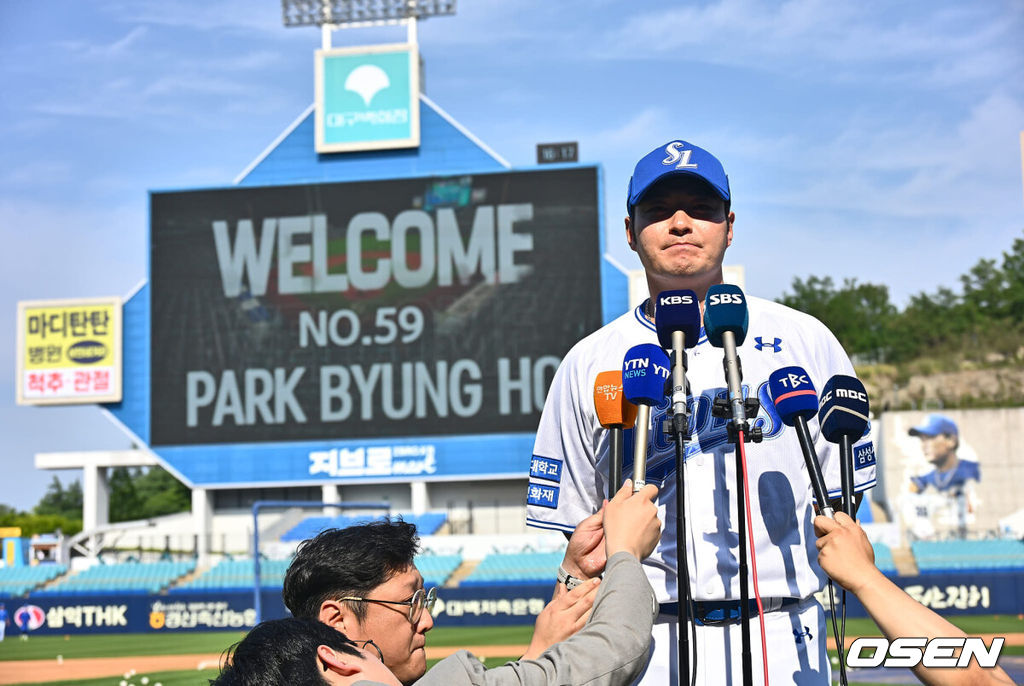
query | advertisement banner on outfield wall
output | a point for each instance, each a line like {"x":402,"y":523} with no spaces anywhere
{"x":373,"y":310}
{"x":953,"y":473}
{"x":972,"y":593}
{"x":136,"y":614}
{"x":69,"y":351}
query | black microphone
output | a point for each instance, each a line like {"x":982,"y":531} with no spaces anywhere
{"x":677,"y":318}
{"x":725,"y":322}
{"x":843,"y":416}
{"x":796,"y":402}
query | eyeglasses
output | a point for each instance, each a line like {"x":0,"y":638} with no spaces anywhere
{"x":420,"y":599}
{"x":369,"y":642}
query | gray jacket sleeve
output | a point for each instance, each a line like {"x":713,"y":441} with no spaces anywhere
{"x":612,"y":649}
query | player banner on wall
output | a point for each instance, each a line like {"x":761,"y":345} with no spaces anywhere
{"x":953,"y":473}
{"x":412,"y":307}
{"x":69,"y":351}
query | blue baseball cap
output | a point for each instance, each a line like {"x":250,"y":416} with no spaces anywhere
{"x":676,"y":158}
{"x":935,"y":424}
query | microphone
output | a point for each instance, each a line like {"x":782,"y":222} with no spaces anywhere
{"x":615,"y":413}
{"x":677,"y":319}
{"x":795,"y":400}
{"x":843,"y":416}
{"x":725,"y":322}
{"x":645,"y":370}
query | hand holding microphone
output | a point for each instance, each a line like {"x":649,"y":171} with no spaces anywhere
{"x":644,"y":372}
{"x":796,"y":401}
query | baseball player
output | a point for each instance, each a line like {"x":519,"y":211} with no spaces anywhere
{"x":949,"y":492}
{"x":680,"y":224}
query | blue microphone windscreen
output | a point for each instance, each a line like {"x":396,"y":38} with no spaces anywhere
{"x":793,"y":393}
{"x":844,"y":408}
{"x":677,"y":311}
{"x":725,"y":309}
{"x":645,"y":370}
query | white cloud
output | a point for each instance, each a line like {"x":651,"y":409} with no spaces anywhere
{"x":920,"y":168}
{"x":223,"y":15}
{"x":834,"y":40}
{"x":115,"y":50}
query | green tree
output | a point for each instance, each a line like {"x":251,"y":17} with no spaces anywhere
{"x":31,"y":524}
{"x":64,"y":502}
{"x":1013,"y":278}
{"x":125,"y":504}
{"x":160,"y":493}
{"x":860,"y":315}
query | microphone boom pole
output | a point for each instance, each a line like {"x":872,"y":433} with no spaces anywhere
{"x":677,"y":319}
{"x":725,"y":320}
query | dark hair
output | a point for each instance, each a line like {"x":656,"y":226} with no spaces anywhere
{"x":351,"y":561}
{"x":281,"y":651}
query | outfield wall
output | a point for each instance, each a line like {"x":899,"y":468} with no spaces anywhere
{"x":948,"y":594}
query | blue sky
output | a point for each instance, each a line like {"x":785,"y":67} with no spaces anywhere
{"x":870,"y":140}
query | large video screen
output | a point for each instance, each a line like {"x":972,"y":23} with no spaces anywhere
{"x":411,"y":307}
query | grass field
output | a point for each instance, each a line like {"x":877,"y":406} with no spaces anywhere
{"x":191,"y":677}
{"x":114,"y":645}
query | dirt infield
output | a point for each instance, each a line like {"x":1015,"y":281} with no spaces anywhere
{"x":42,"y":671}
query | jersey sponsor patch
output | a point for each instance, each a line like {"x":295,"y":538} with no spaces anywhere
{"x":546,"y":468}
{"x":542,"y":496}
{"x":864,"y":456}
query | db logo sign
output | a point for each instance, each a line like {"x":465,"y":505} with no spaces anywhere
{"x":157,"y":620}
{"x":910,"y":652}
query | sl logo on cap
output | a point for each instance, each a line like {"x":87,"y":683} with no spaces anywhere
{"x":677,"y":155}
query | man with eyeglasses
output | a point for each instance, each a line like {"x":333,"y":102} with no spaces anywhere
{"x":611,"y":650}
{"x":362,"y":581}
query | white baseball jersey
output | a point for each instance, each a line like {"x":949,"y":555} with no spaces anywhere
{"x":570,"y":466}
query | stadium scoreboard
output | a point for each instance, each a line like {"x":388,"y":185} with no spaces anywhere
{"x":424,"y":307}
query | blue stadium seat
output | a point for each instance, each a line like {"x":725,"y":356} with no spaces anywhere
{"x":499,"y":569}
{"x":936,"y":557}
{"x":128,"y":577}
{"x":883,"y":558}
{"x":437,"y":568}
{"x":427,"y":524}
{"x":16,"y":581}
{"x":234,"y":575}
